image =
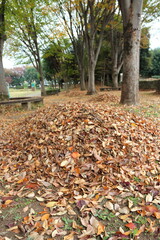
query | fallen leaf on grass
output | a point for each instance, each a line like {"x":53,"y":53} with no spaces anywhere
{"x":76,"y":226}
{"x":7,"y":202}
{"x":94,"y":222}
{"x":131,"y":225}
{"x":124,"y":217}
{"x":142,"y":229}
{"x":101,"y":228}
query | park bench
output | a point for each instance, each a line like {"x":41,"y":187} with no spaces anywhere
{"x":25,"y":102}
{"x":109,"y":88}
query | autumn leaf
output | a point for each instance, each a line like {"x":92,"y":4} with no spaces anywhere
{"x":131,"y":225}
{"x":151,"y":208}
{"x":75,"y":155}
{"x":70,"y":236}
{"x":75,"y":159}
{"x":45,"y":217}
{"x":32,"y":185}
{"x":142,"y":229}
{"x":101,"y":228}
{"x":7,"y":202}
{"x":51,"y":204}
{"x":157,"y":214}
{"x":31,"y":195}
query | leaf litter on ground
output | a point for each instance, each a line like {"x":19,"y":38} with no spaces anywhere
{"x":85,"y":163}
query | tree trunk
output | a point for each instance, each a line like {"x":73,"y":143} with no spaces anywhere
{"x":82,"y":79}
{"x":115,"y":78}
{"x":3,"y":85}
{"x":131,"y":14}
{"x":130,"y":84}
{"x":43,"y":91}
{"x":114,"y":68}
{"x":91,"y":78}
{"x":4,"y":94}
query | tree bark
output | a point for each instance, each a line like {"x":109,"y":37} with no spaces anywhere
{"x":91,"y":78}
{"x":4,"y":94}
{"x":115,"y":78}
{"x":82,"y":79}
{"x":43,"y":91}
{"x":131,"y":14}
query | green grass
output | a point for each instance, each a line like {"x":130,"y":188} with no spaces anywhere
{"x":23,"y":92}
{"x":146,"y":111}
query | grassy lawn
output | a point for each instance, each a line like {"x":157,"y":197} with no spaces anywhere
{"x":23,"y":92}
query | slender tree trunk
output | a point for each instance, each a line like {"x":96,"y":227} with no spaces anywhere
{"x":82,"y":78}
{"x":114,"y":68}
{"x":3,"y":85}
{"x":43,"y":91}
{"x":91,"y":78}
{"x":131,"y":14}
{"x":115,"y":78}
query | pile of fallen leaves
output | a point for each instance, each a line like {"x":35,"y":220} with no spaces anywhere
{"x":75,"y":93}
{"x":105,"y":98}
{"x":83,"y":163}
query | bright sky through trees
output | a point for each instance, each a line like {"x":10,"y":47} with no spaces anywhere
{"x":155,"y":35}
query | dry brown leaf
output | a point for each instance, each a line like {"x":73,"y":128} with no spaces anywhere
{"x":70,"y":236}
{"x":51,"y":204}
{"x":109,"y":205}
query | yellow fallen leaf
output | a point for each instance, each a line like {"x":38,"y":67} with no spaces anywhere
{"x":12,"y":228}
{"x":51,"y":204}
{"x":7,"y":202}
{"x":157,"y":215}
{"x":124,"y":217}
{"x":45,"y":217}
{"x":101,"y":229}
{"x":70,"y":236}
